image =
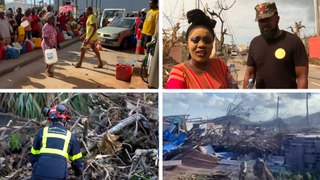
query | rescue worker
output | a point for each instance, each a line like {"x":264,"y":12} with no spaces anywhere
{"x":53,"y":146}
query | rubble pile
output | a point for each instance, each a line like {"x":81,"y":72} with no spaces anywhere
{"x":118,"y":139}
{"x":240,"y":143}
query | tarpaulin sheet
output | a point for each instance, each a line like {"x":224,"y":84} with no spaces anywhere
{"x":174,"y":143}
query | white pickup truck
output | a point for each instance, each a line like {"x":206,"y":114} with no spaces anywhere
{"x":109,"y":14}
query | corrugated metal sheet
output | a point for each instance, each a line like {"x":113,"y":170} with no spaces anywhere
{"x":198,"y":160}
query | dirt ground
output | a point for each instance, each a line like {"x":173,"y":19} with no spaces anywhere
{"x":68,"y":77}
{"x":188,"y":173}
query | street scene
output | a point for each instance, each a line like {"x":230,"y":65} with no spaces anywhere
{"x":79,"y":136}
{"x":269,"y":64}
{"x":79,"y":45}
{"x":32,"y":75}
{"x":241,"y":136}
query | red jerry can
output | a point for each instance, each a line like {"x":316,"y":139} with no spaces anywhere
{"x":1,"y":55}
{"x":60,"y":38}
{"x":29,"y":46}
{"x":124,"y":72}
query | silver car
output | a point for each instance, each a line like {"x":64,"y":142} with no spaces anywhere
{"x":118,"y":33}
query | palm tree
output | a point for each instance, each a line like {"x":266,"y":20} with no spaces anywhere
{"x":30,"y":105}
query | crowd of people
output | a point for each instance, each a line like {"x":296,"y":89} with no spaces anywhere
{"x":33,"y":21}
{"x":50,"y":28}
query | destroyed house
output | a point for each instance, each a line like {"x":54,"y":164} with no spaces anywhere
{"x":302,"y":152}
{"x":179,"y":120}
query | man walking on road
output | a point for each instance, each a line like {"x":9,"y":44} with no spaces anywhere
{"x":90,"y":38}
{"x":276,"y":59}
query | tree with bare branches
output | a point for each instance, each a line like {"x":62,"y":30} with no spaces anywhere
{"x":238,"y":107}
{"x":222,"y":7}
{"x":297,"y":27}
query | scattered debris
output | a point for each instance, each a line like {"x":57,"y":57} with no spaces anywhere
{"x":118,"y":137}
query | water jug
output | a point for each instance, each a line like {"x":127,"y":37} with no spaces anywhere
{"x":51,"y":56}
{"x":25,"y":23}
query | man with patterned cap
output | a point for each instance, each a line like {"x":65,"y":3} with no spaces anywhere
{"x":277,"y":58}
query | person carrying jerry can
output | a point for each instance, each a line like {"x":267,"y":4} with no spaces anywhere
{"x":49,"y":43}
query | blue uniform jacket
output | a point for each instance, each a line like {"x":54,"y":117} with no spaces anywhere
{"x":48,"y":165}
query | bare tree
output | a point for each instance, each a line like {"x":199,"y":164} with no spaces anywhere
{"x":296,"y":30}
{"x":218,"y":15}
{"x":170,"y":40}
{"x":238,"y":107}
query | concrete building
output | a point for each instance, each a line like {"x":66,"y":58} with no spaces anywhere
{"x":302,"y":152}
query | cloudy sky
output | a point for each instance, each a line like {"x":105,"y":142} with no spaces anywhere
{"x":241,"y":17}
{"x":211,"y":105}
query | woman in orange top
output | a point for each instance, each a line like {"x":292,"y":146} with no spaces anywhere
{"x":200,"y":71}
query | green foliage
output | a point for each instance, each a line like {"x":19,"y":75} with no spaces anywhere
{"x":138,"y":177}
{"x":80,"y":103}
{"x":308,"y":176}
{"x":15,"y":143}
{"x":29,"y":105}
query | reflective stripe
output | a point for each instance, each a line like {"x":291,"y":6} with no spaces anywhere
{"x":66,"y":142}
{"x":66,"y":138}
{"x":75,"y":157}
{"x":54,"y":151}
{"x":44,"y":137}
{"x":60,"y":136}
{"x":34,"y":152}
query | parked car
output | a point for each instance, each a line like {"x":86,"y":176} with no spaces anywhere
{"x":234,"y":53}
{"x":118,"y":33}
{"x":110,"y":14}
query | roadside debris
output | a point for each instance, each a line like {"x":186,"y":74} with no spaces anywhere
{"x":118,"y":137}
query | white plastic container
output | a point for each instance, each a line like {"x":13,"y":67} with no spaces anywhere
{"x":51,"y":56}
{"x":25,"y":23}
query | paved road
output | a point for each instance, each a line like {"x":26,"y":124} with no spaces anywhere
{"x":67,"y":77}
{"x":314,"y":73}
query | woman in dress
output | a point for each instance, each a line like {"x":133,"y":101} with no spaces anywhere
{"x":49,"y":35}
{"x":200,"y":71}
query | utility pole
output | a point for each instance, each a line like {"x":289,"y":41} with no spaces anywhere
{"x":97,"y":13}
{"x":307,"y":107}
{"x":278,"y":120}
{"x":197,"y":2}
{"x":100,"y":7}
{"x":316,"y":14}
